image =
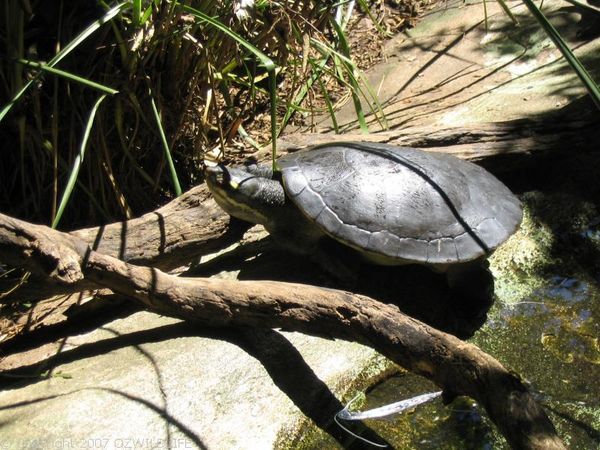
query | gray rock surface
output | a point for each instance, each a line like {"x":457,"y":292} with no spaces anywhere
{"x":147,"y":381}
{"x":450,"y":71}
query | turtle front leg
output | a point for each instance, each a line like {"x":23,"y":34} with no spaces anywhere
{"x":301,"y":237}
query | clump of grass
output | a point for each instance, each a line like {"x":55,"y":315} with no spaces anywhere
{"x":108,"y":107}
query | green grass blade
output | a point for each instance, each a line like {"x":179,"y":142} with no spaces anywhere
{"x":585,"y":6}
{"x":508,"y":12}
{"x":109,"y":15}
{"x":342,"y":18}
{"x":147,"y":14}
{"x":137,"y":12}
{"x":273,"y":99}
{"x":14,"y":100}
{"x":317,"y":70}
{"x":327,"y":51}
{"x":265,"y":61}
{"x":353,"y":82}
{"x":163,"y":139}
{"x":581,"y":72}
{"x":247,"y":138}
{"x":67,"y":75}
{"x":77,"y":163}
{"x":84,"y":189}
{"x":485,"y":15}
{"x":375,"y":106}
{"x":119,"y":121}
{"x":351,"y":69}
{"x":365,"y":5}
{"x":330,"y":107}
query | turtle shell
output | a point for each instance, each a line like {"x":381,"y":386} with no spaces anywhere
{"x":401,"y":204}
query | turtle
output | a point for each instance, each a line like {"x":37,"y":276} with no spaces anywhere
{"x":391,"y":205}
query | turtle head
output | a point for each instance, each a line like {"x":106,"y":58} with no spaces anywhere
{"x":243,"y":194}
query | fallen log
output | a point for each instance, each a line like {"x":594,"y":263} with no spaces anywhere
{"x":498,"y":146}
{"x":183,"y":230}
{"x":457,"y":367}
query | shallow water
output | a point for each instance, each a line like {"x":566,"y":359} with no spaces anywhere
{"x":544,"y":323}
{"x":550,"y":338}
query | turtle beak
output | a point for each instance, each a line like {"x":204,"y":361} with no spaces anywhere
{"x":218,"y":176}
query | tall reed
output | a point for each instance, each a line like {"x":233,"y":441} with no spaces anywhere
{"x":108,"y":108}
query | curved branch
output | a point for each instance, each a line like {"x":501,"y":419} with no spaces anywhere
{"x":190,"y":226}
{"x":458,"y":367}
{"x":170,"y":237}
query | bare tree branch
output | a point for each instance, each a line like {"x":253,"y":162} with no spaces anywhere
{"x":458,"y":367}
{"x":184,"y":229}
{"x":188,"y":227}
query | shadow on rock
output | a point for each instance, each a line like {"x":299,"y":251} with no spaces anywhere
{"x":293,"y":376}
{"x":416,"y":290}
{"x":283,"y":362}
{"x":562,"y":196}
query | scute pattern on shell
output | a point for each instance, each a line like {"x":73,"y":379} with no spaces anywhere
{"x":402,"y":203}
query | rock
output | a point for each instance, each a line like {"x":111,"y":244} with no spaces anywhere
{"x":449,"y":70}
{"x":153,"y":382}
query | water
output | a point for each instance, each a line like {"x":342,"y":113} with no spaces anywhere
{"x":463,"y":425}
{"x":550,"y":338}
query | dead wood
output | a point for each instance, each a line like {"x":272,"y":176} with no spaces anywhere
{"x":498,"y":146}
{"x":187,"y":228}
{"x":172,"y":236}
{"x":458,"y":367}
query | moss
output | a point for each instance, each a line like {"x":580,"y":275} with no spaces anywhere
{"x":520,"y":264}
{"x":551,"y":241}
